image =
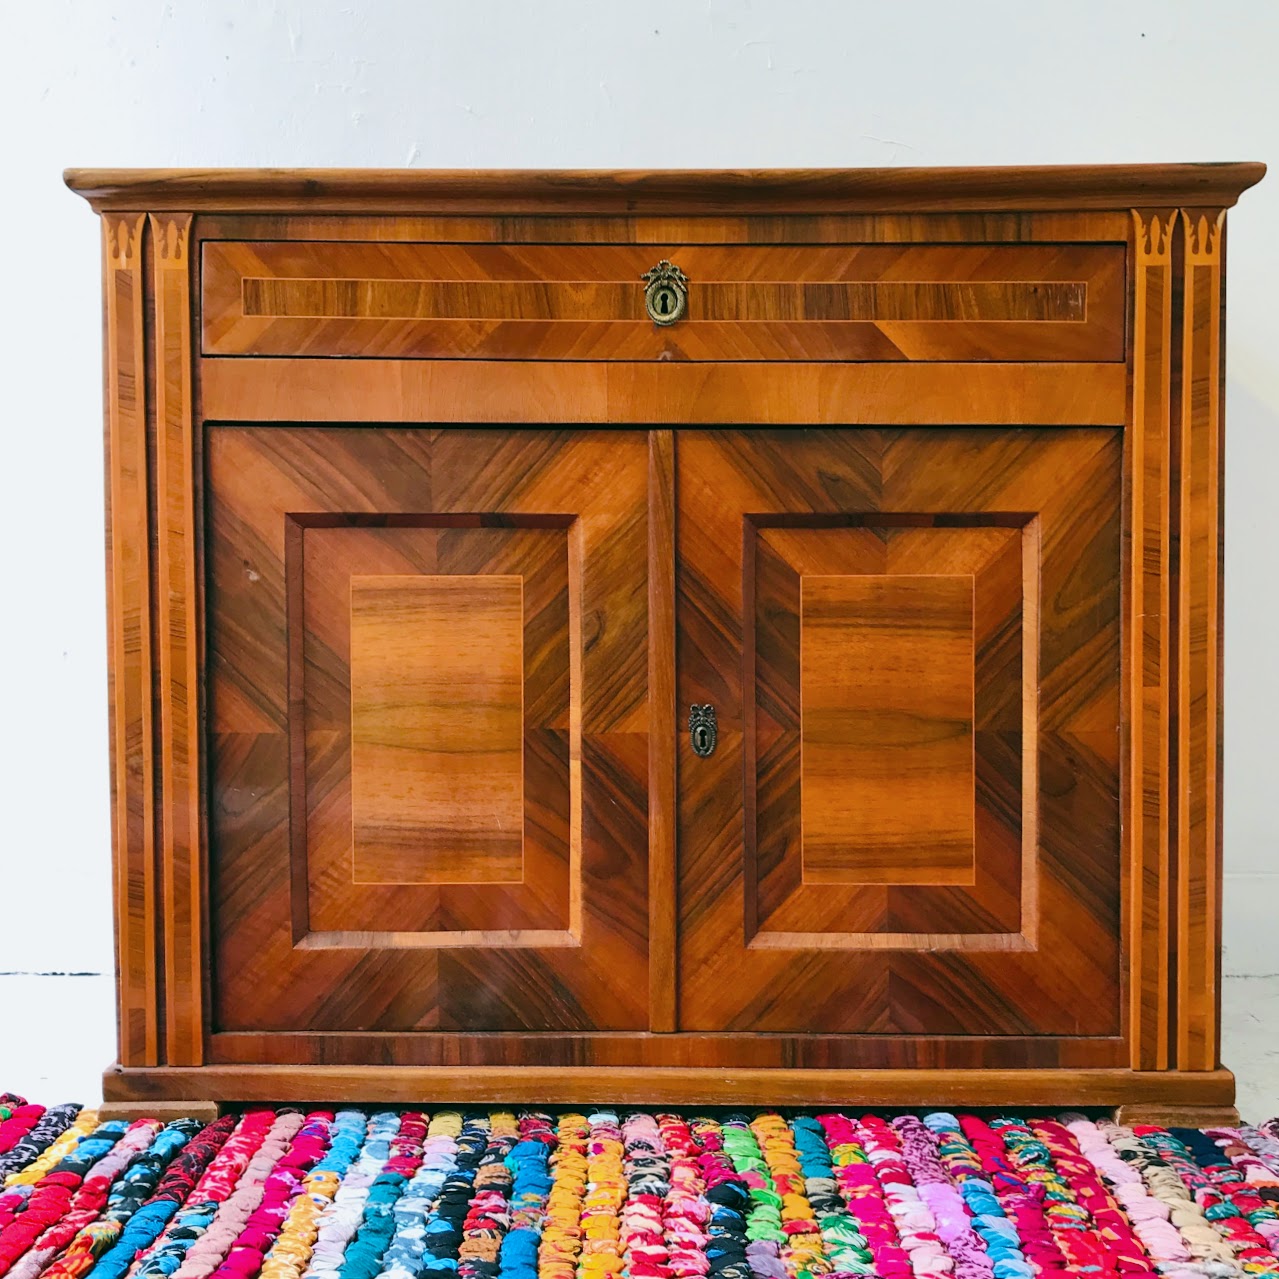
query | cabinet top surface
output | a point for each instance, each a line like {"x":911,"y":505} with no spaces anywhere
{"x":632,"y":191}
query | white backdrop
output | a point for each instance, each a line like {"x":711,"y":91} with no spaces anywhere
{"x":566,"y":83}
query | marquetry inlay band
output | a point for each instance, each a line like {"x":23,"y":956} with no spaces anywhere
{"x":863,"y":301}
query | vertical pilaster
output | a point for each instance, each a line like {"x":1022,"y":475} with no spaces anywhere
{"x":1149,"y":658}
{"x":178,"y":643}
{"x":129,"y":640}
{"x":1198,"y":493}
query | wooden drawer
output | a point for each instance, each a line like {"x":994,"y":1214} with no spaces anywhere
{"x":1023,"y":302}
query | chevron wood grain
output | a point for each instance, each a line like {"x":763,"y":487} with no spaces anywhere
{"x":377,"y":898}
{"x":1051,"y":302}
{"x":1013,"y":928}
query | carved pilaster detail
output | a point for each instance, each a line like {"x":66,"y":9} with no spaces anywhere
{"x":122,"y":239}
{"x":170,"y":232}
{"x":1154,"y":231}
{"x":1203,"y":234}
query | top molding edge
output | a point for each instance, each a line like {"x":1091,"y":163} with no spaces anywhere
{"x":629,"y":192}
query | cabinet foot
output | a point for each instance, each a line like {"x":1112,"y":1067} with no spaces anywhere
{"x":166,"y":1111}
{"x":1153,"y":1112}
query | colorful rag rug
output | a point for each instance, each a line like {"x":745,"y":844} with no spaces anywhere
{"x":467,"y":1194}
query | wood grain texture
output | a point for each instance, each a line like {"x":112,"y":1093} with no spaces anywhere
{"x":129,"y":641}
{"x":1149,"y":670}
{"x":886,"y":729}
{"x":999,"y":554}
{"x":1032,"y":946}
{"x":1170,"y":1115}
{"x":203,"y":1110}
{"x":671,"y":394}
{"x":1054,"y":302}
{"x":508,"y":192}
{"x":603,"y":1049}
{"x":298,"y":944}
{"x":437,"y":729}
{"x":521,"y":1085}
{"x":1059,"y":450}
{"x":663,"y":727}
{"x":327,"y":552}
{"x":1199,"y":644}
{"x":178,"y":644}
{"x":1013,"y":227}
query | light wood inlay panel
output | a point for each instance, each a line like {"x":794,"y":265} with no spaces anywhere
{"x":886,"y":728}
{"x":437,"y":720}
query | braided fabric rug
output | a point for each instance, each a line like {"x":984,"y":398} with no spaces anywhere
{"x":449,"y":1194}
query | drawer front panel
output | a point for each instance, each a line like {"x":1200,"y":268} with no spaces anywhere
{"x":1039,"y":302}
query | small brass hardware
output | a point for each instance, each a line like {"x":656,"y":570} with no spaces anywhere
{"x":666,"y":294}
{"x":703,"y":732}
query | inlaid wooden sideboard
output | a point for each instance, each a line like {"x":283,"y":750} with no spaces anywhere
{"x":667,"y":636}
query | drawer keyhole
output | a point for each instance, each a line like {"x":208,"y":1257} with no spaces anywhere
{"x":666,"y":297}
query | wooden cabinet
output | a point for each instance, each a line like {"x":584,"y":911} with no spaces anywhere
{"x":427,"y":539}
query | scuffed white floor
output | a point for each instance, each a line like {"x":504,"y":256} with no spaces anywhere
{"x":1250,"y":1042}
{"x":59,"y":1033}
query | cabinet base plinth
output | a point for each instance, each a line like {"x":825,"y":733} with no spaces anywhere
{"x":205,"y":1111}
{"x":1209,"y":1092}
{"x":1167,"y":1116}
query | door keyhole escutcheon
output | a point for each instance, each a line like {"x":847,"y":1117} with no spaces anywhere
{"x":666,"y":294}
{"x":703,"y":732}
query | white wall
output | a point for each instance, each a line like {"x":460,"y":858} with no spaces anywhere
{"x":565,"y":83}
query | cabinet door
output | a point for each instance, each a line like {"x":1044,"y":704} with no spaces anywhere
{"x":428,"y":722}
{"x":910,"y":823}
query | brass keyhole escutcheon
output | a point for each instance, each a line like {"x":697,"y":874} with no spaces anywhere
{"x":703,"y":732}
{"x":666,"y":297}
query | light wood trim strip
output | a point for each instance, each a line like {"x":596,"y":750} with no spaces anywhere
{"x":129,"y":640}
{"x":515,"y":191}
{"x":663,"y":724}
{"x":1199,"y":638}
{"x":657,"y":1085}
{"x":284,"y":390}
{"x":1148,"y":662}
{"x":178,"y":642}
